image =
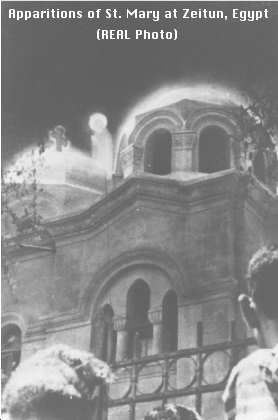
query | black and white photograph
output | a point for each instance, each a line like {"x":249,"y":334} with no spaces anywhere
{"x":139,"y":273}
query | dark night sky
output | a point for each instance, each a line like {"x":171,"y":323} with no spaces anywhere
{"x":59,"y":73}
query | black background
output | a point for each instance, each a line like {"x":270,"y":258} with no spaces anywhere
{"x":56,"y":72}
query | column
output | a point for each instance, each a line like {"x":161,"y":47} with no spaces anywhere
{"x":120,"y":327}
{"x":155,"y":318}
{"x":184,"y":151}
{"x":132,"y":161}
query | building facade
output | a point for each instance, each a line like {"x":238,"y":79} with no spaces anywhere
{"x":147,"y":274}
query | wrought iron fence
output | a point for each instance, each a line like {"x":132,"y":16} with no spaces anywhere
{"x":165,"y":377}
{"x":162,"y":378}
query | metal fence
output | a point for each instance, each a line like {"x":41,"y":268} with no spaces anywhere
{"x":165,"y":377}
{"x":162,"y":378}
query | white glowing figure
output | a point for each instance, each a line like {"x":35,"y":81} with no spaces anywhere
{"x":98,"y":122}
{"x":102,"y":144}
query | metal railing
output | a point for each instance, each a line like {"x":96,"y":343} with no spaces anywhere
{"x":163,"y":377}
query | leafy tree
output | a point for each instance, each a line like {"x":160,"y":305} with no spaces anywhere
{"x":20,"y":195}
{"x":20,"y":186}
{"x":259,"y":126}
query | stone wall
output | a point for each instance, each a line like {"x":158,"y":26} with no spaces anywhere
{"x":188,"y":235}
{"x":192,"y":237}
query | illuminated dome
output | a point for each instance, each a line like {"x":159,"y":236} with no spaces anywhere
{"x":176,"y":134}
{"x":69,"y":180}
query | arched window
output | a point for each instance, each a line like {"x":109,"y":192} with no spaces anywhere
{"x":259,"y":166}
{"x":170,"y":322}
{"x":158,"y":152}
{"x":214,"y":152}
{"x":103,"y":337}
{"x":138,"y":324}
{"x":11,"y":350}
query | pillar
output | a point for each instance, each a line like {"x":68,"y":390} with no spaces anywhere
{"x":122,"y":335}
{"x":155,"y":318}
{"x":132,"y":161}
{"x":184,"y":151}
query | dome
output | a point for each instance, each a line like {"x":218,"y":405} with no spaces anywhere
{"x":68,"y":180}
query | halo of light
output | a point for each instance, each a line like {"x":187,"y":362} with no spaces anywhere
{"x":213,"y":93}
{"x":97,"y":122}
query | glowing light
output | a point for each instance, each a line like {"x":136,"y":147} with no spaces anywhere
{"x":205,"y":92}
{"x":52,"y":167}
{"x":98,"y":122}
{"x":102,"y":143}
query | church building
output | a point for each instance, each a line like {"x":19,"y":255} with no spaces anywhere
{"x":142,"y":265}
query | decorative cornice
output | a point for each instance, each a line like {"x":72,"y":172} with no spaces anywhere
{"x":155,"y":317}
{"x":120,"y":323}
{"x":220,"y":288}
{"x":228,"y":185}
{"x":44,"y":325}
{"x":183,"y":139}
{"x":149,"y":188}
{"x":55,"y":323}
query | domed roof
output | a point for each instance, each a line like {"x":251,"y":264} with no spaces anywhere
{"x":68,"y":180}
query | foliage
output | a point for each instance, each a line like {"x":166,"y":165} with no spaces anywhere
{"x":20,"y":186}
{"x":259,"y":119}
{"x":259,"y":136}
{"x":20,"y":194}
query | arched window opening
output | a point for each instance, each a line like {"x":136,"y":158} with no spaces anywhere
{"x":214,"y":154}
{"x":170,"y":322}
{"x":259,"y":166}
{"x":158,"y":152}
{"x":103,"y":337}
{"x":11,"y":350}
{"x":138,"y":324}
